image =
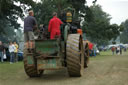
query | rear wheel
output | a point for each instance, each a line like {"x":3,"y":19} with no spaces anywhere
{"x":75,"y":55}
{"x":86,"y":54}
{"x":31,"y":69}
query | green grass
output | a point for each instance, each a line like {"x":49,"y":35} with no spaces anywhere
{"x":106,"y":54}
{"x":9,"y":70}
{"x":103,"y":69}
{"x":102,"y":55}
{"x":6,"y":66}
{"x":12,"y":68}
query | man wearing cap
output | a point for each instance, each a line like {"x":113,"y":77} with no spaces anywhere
{"x":54,"y":26}
{"x":29,"y":25}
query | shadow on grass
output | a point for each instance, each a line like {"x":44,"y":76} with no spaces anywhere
{"x":53,"y":76}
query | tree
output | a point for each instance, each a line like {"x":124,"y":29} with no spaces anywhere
{"x":10,"y":11}
{"x":79,"y":5}
{"x":47,"y":7}
{"x":45,"y":10}
{"x":98,"y":29}
{"x":124,"y":34}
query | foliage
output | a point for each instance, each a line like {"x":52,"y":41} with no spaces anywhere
{"x":10,"y":11}
{"x":96,"y":22}
{"x":98,"y":29}
{"x":7,"y":33}
{"x":79,"y":5}
{"x":45,"y":10}
{"x":124,"y":35}
{"x":47,"y":7}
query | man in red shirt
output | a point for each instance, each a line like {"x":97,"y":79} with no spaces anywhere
{"x":90,"y":46}
{"x":54,"y":26}
{"x":91,"y":49}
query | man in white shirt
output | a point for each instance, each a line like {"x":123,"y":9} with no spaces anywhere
{"x":11,"y":50}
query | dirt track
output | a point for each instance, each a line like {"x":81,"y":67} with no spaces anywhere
{"x":107,"y":70}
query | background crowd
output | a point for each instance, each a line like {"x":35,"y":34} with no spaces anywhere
{"x":9,"y":51}
{"x":118,"y":50}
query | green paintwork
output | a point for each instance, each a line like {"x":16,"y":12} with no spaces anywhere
{"x":66,"y":32}
{"x":47,"y":46}
{"x":49,"y":63}
{"x":50,"y":47}
{"x":30,"y":60}
{"x":84,"y":36}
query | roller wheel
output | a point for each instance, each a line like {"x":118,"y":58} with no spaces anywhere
{"x":31,"y":70}
{"x":75,"y":55}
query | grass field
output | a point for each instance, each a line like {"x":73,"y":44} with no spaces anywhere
{"x":104,"y":69}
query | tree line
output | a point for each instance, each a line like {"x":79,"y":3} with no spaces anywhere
{"x":95,"y":22}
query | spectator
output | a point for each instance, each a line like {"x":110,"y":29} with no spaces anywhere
{"x":90,"y":49}
{"x":113,"y":50}
{"x":15,"y":52}
{"x":125,"y":49}
{"x":120,"y":51}
{"x":11,"y":50}
{"x":1,"y":51}
{"x":94,"y":50}
{"x":116,"y":50}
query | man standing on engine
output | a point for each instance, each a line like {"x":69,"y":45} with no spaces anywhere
{"x":29,"y":25}
{"x":54,"y":26}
